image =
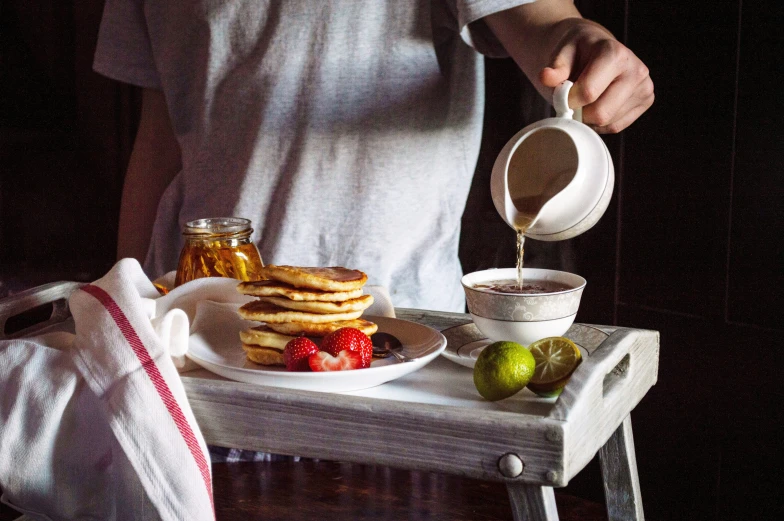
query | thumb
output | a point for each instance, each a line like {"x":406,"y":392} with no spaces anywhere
{"x":560,"y":67}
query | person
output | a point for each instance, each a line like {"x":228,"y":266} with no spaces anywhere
{"x":347,"y":131}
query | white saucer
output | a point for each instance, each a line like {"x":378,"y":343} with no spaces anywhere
{"x":464,"y":343}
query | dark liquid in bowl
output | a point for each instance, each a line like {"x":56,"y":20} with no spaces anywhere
{"x":535,"y":287}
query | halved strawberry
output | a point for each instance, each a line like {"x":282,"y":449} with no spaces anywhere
{"x":296,"y":353}
{"x":323,"y":361}
{"x":349,"y":339}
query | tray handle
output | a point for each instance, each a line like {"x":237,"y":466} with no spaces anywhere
{"x":36,"y":308}
{"x":612,"y":370}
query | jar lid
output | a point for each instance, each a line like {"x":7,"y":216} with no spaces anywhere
{"x":216,"y":225}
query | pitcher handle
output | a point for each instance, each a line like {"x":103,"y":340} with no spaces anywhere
{"x":561,"y":103}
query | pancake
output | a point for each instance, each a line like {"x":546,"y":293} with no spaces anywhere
{"x":315,"y":306}
{"x":322,"y":329}
{"x":334,"y":278}
{"x":275,"y":288}
{"x":265,"y":337}
{"x":263,"y":355}
{"x":272,"y":314}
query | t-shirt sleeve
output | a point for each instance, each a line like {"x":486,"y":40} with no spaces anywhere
{"x":474,"y":31}
{"x":124,"y":51}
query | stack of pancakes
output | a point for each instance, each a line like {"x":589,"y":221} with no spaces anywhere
{"x":295,"y":301}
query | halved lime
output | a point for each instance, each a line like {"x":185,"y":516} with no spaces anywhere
{"x":556,"y":359}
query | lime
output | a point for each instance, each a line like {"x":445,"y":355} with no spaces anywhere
{"x":502,"y":369}
{"x":556,"y":359}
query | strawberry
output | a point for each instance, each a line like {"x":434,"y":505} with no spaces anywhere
{"x":349,"y":339}
{"x":323,"y":361}
{"x":296,"y":353}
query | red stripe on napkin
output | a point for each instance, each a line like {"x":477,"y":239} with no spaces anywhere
{"x":157,"y":380}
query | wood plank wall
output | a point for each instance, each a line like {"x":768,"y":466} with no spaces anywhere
{"x":699,"y":256}
{"x":690,"y":246}
{"x":65,"y":137}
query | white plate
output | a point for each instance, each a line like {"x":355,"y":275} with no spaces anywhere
{"x":218,"y":350}
{"x":466,"y":342}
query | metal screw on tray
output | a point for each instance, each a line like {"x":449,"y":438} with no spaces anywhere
{"x":385,"y":345}
{"x":510,"y":465}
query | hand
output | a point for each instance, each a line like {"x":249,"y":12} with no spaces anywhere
{"x":611,"y":84}
{"x":552,"y":42}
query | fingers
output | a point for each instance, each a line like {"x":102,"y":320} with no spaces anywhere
{"x":560,"y":66}
{"x":612,"y":85}
{"x":614,"y":88}
{"x":629,"y":113}
{"x":604,"y":64}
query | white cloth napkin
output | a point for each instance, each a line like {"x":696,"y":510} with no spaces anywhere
{"x":187,"y":300}
{"x":382,"y":302}
{"x":96,"y":425}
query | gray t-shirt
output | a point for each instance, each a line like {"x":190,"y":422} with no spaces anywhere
{"x":347,"y":131}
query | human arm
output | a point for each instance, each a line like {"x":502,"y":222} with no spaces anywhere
{"x":154,"y":162}
{"x":551,"y":42}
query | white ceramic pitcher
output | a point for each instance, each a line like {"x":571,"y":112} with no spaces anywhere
{"x":555,"y":176}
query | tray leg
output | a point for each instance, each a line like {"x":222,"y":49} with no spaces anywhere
{"x":532,"y":502}
{"x":619,"y":473}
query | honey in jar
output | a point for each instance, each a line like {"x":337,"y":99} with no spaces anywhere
{"x":218,"y":247}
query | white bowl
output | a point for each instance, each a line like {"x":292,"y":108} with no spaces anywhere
{"x":522,"y":318}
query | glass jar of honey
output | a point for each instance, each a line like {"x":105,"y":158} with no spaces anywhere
{"x":218,"y":247}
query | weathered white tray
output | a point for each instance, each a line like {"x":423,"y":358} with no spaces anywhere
{"x":434,"y":419}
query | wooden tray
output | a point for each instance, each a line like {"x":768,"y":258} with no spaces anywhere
{"x":430,"y":420}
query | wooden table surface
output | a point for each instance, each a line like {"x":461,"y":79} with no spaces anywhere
{"x":307,"y":490}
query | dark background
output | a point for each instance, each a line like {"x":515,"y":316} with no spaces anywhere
{"x":690,"y":245}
